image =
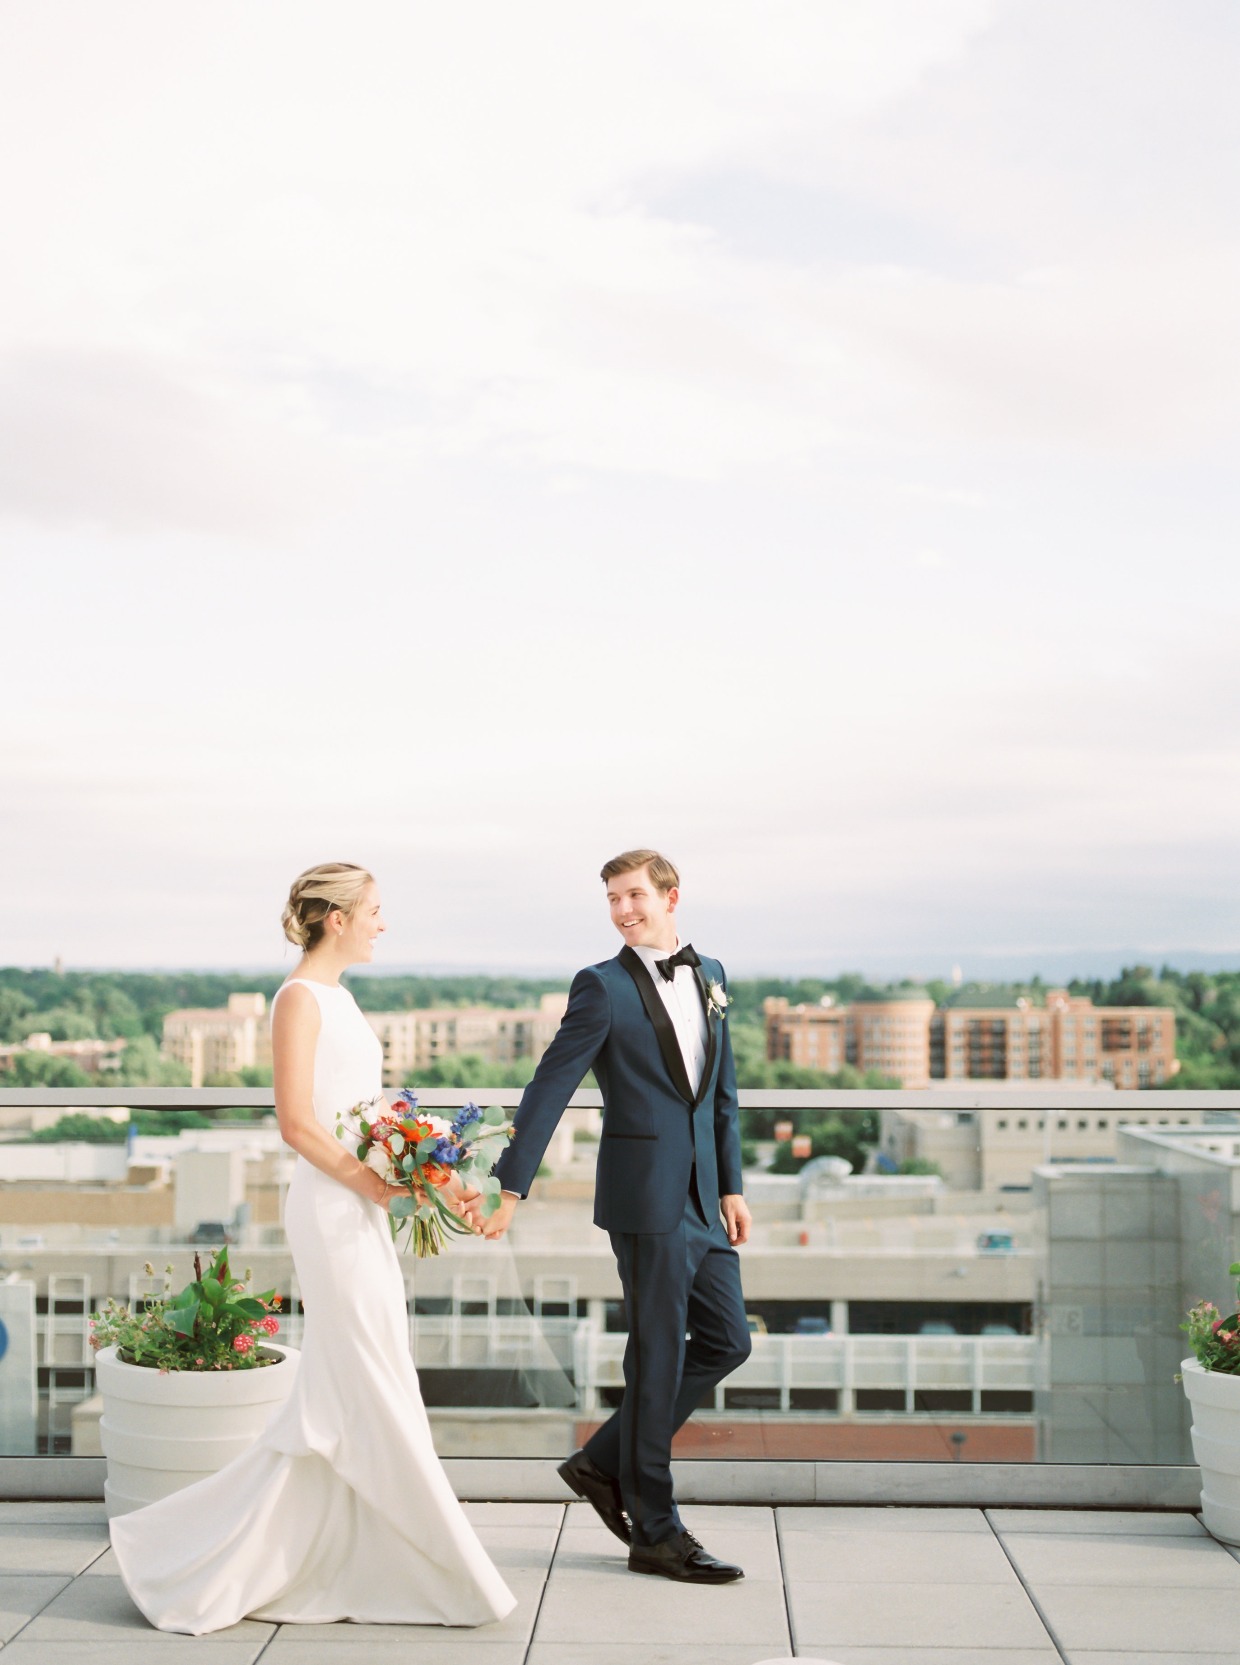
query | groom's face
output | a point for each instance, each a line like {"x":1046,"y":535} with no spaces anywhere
{"x":641,"y":912}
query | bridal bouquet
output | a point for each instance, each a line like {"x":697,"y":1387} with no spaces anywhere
{"x":419,"y":1152}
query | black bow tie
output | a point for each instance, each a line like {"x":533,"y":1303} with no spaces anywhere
{"x":682,"y":956}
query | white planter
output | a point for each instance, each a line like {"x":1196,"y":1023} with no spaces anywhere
{"x":160,"y":1433}
{"x":1214,"y":1398}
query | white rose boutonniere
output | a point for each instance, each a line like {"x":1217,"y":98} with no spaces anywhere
{"x":719,"y":1000}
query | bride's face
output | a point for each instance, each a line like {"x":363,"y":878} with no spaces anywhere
{"x":363,"y":927}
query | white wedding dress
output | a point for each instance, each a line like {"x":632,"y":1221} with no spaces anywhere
{"x":340,"y":1509}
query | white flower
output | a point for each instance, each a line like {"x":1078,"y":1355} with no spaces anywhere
{"x":378,"y":1159}
{"x":437,"y":1124}
{"x":720,"y":1000}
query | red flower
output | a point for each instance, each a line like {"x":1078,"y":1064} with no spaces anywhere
{"x":243,"y":1343}
{"x":269,"y":1325}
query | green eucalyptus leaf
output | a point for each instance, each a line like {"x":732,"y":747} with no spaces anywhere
{"x":494,"y":1116}
{"x":401,"y":1207}
{"x":397,"y":1143}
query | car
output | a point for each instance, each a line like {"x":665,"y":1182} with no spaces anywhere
{"x":807,"y":1325}
{"x":937,"y":1326}
{"x":995,"y":1243}
{"x":210,"y":1231}
{"x":756,"y":1323}
{"x":998,"y":1329}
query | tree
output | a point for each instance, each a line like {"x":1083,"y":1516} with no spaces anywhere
{"x":81,"y":1128}
{"x":15,"y":1005}
{"x":852,"y":1139}
{"x":142,"y":1064}
{"x":467,"y":1070}
{"x":66,"y":1023}
{"x":41,"y":1069}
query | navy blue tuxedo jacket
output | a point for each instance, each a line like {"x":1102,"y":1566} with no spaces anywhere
{"x":654,"y":1127}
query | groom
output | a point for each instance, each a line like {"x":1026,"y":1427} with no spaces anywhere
{"x":651,"y":1024}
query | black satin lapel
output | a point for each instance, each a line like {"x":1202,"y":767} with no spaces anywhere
{"x":656,"y":1011}
{"x":712,"y":1034}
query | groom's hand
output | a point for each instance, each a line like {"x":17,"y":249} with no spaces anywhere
{"x":498,"y":1223}
{"x":736,"y":1217}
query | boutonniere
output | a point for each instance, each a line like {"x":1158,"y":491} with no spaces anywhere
{"x":718,"y":1000}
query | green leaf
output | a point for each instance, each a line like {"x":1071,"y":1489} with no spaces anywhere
{"x":214,"y":1294}
{"x":401,"y":1207}
{"x":1234,"y":1269}
{"x":494,"y":1116}
{"x":362,"y":1150}
{"x":182,"y":1319}
{"x":340,"y":1130}
{"x":396,"y":1143}
{"x":249,"y":1308}
{"x":365,"y":1127}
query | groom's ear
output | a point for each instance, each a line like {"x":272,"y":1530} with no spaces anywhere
{"x":673,"y":896}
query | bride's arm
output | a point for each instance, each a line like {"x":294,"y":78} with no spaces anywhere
{"x":295,"y":1023}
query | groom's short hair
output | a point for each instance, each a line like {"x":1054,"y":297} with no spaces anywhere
{"x":663,"y":876}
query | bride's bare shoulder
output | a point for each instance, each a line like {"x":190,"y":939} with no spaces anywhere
{"x":294,"y":1002}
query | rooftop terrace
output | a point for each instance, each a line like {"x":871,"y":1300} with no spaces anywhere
{"x":851,"y":1585}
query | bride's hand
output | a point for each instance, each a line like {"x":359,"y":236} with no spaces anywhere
{"x":465,"y":1201}
{"x":390,"y":1191}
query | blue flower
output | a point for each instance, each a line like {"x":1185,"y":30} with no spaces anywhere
{"x":409,"y":1097}
{"x":470,"y":1113}
{"x":446,"y":1153}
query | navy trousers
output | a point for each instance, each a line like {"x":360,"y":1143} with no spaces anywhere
{"x":676,"y":1281}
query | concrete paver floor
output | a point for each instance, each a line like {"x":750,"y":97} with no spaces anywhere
{"x":844,"y":1585}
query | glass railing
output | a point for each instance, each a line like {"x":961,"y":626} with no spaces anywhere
{"x":1004,"y":1283}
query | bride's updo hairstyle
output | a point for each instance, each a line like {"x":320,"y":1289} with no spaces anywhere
{"x":315,"y":893}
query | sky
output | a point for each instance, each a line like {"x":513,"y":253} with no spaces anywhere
{"x":474,"y":440}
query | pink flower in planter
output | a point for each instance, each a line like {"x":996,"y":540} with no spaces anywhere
{"x":269,"y":1325}
{"x":243,"y":1343}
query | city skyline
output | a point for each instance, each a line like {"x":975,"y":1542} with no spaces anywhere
{"x":807,"y":449}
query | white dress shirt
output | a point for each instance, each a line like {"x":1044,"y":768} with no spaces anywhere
{"x":683,"y":999}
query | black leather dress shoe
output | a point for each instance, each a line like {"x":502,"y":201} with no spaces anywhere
{"x":682,"y":1558}
{"x":587,"y":1479}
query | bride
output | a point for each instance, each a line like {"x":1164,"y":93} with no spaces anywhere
{"x":341,"y":1509}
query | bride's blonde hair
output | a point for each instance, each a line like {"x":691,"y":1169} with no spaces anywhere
{"x":315,"y":893}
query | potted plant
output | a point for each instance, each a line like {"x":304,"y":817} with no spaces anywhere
{"x":1212,"y":1382}
{"x":188,"y":1382}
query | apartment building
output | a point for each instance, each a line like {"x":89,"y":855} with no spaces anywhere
{"x":1068,"y":1039}
{"x":499,"y":1035}
{"x":94,"y":1056}
{"x":888,"y":1035}
{"x":213,"y":1041}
